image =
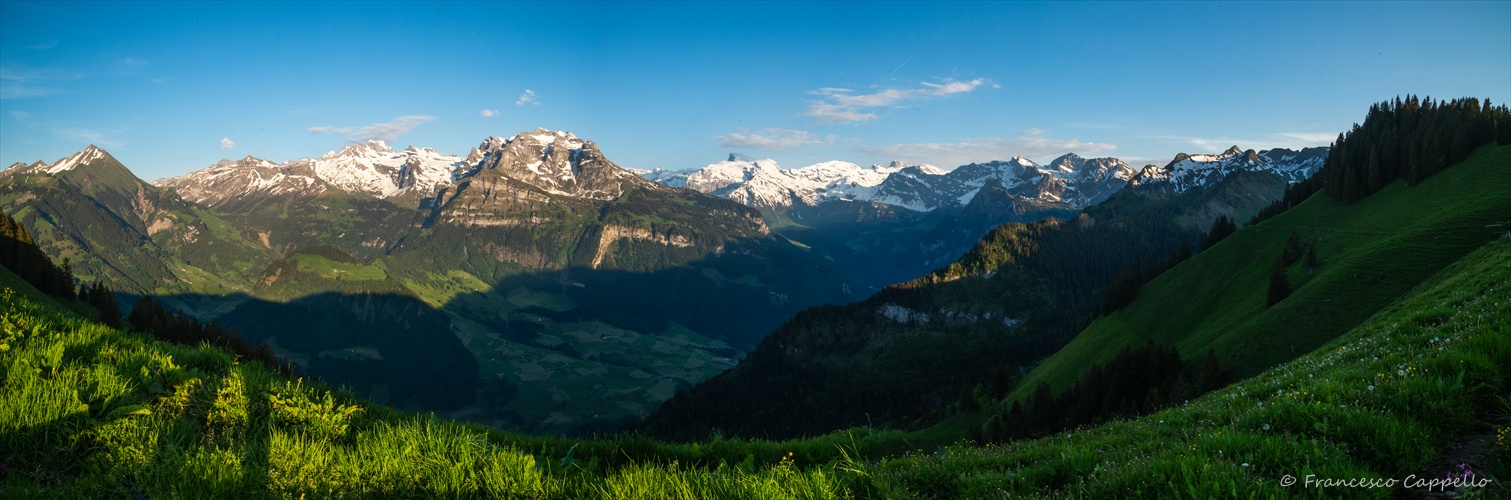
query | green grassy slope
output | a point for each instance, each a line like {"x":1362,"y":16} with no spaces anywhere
{"x":86,"y":411}
{"x":1391,"y":399}
{"x":1371,"y":253}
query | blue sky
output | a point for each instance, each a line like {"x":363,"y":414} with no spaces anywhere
{"x":170,"y":88}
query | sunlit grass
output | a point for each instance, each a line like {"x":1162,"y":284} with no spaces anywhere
{"x":87,"y":411}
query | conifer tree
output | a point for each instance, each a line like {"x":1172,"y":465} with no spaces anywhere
{"x":1280,"y":286}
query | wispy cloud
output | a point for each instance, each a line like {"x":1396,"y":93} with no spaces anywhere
{"x":1032,"y":143}
{"x":489,"y":113}
{"x":44,"y":45}
{"x":227,"y":143}
{"x":132,"y":61}
{"x":777,"y":139}
{"x":86,"y":136}
{"x":26,"y":83}
{"x":76,"y":135}
{"x":1312,"y":138}
{"x":387,"y":131}
{"x":527,"y":98}
{"x":1287,"y":140}
{"x":841,"y":105}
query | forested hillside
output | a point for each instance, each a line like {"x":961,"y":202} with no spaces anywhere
{"x":1292,"y":282}
{"x":902,"y":356}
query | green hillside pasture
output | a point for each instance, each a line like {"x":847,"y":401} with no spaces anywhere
{"x":341,"y":271}
{"x":1371,"y":253}
{"x":1387,"y":400}
{"x":89,"y":412}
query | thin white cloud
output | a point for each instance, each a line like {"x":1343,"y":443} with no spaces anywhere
{"x":132,"y":61}
{"x":386,"y":131}
{"x":89,"y":136}
{"x":1287,"y":140}
{"x":44,"y":45}
{"x":26,"y":83}
{"x":527,"y":98}
{"x":1032,"y":143}
{"x":77,"y":135}
{"x":489,"y":113}
{"x":777,"y":139}
{"x":841,"y":105}
{"x":227,"y":143}
{"x":1313,"y":138}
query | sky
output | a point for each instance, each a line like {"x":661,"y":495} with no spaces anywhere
{"x":169,"y":88}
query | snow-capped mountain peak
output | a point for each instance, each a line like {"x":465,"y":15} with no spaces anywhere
{"x":1068,"y":163}
{"x":1069,"y":180}
{"x":372,"y":168}
{"x":88,"y":155}
{"x":1188,"y":171}
{"x":557,"y":162}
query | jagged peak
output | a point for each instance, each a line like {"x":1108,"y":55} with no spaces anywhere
{"x":1232,"y":151}
{"x":740,"y":157}
{"x":89,"y":155}
{"x":1068,"y":162}
{"x":370,"y":149}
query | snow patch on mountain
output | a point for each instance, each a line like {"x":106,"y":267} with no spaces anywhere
{"x":371,"y":168}
{"x":88,"y":155}
{"x":1188,"y":171}
{"x":1069,"y":179}
{"x":764,"y":183}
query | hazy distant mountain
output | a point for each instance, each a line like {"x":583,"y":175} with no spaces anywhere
{"x":1069,"y":179}
{"x":1189,"y":171}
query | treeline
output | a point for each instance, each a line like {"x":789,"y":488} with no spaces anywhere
{"x":1409,"y":139}
{"x":1280,"y":284}
{"x":20,"y":254}
{"x":903,"y":356}
{"x":1124,"y":287}
{"x":1139,"y":380}
{"x":149,"y":315}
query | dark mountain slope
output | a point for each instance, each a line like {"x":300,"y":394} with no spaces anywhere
{"x":898,"y":356}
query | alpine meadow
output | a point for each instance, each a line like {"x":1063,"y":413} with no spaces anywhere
{"x":803,"y":250}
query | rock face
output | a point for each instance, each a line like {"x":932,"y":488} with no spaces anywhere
{"x":1185,"y":171}
{"x":558,"y":163}
{"x":372,"y":169}
{"x":923,"y":188}
{"x":1067,"y":181}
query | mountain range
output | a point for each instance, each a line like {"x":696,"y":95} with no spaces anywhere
{"x":1069,"y":179}
{"x":523,"y":252}
{"x":526,"y":245}
{"x":884,"y":224}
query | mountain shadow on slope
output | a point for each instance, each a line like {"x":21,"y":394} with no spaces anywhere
{"x":372,"y":342}
{"x":898,"y":357}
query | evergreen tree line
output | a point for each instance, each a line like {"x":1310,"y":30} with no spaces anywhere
{"x":1138,"y":381}
{"x":1280,"y":285}
{"x":149,"y":315}
{"x":1409,"y":139}
{"x":20,"y":254}
{"x":99,"y":296}
{"x":1124,"y":287}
